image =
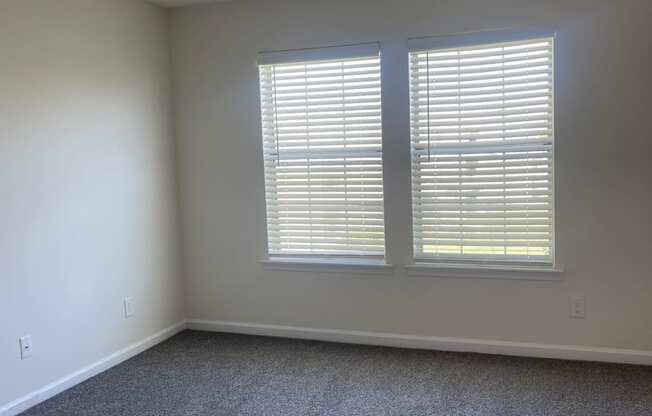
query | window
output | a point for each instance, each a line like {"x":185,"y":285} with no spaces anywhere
{"x":482,"y":151}
{"x":321,"y":121}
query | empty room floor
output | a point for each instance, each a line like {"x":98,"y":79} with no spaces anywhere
{"x":202,"y":373}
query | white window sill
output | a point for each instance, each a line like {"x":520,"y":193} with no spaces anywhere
{"x":478,"y":271}
{"x":307,"y":264}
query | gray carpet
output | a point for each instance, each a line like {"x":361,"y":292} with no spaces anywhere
{"x":197,"y":373}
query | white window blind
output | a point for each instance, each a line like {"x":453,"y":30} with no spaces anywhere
{"x":322,"y":146}
{"x":482,"y":152}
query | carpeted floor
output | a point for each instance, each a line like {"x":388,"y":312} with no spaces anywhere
{"x":199,"y":373}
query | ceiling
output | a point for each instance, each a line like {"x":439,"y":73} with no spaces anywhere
{"x":180,"y":3}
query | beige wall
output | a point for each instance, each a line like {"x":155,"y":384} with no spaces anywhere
{"x":88,"y":205}
{"x":604,"y":174}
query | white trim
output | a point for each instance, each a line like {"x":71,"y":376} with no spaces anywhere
{"x":481,"y":271}
{"x":524,"y":349}
{"x":32,"y":399}
{"x":319,"y":54}
{"x":486,"y":37}
{"x":327,"y":265}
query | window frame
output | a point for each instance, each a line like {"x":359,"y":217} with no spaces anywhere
{"x":469,"y":267}
{"x":351,"y":263}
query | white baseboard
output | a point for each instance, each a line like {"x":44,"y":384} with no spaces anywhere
{"x":523,"y":349}
{"x":32,"y":399}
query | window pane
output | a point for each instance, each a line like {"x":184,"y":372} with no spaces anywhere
{"x":323,"y":157}
{"x":482,"y":152}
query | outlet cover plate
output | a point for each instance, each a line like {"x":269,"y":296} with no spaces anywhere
{"x":26,"y":348}
{"x":129,"y":307}
{"x":578,"y":307}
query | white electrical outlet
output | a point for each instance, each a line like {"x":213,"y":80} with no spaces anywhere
{"x":25,"y":343}
{"x":577,"y":307}
{"x":129,"y":307}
